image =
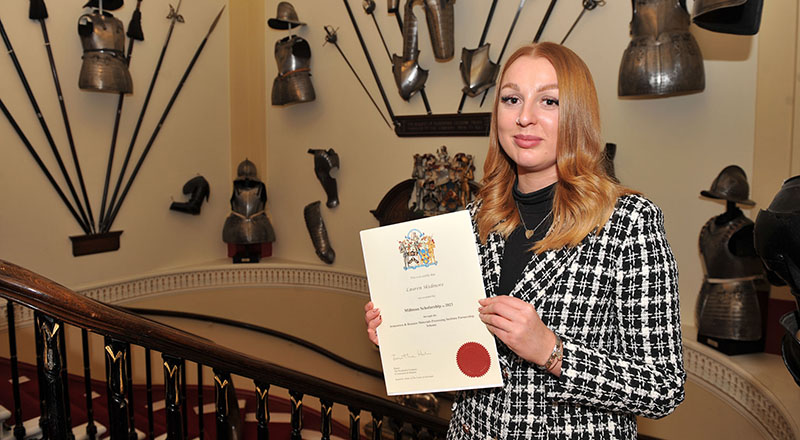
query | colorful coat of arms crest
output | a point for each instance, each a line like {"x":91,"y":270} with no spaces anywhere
{"x":417,"y":250}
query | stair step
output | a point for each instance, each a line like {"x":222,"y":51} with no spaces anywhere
{"x":34,"y":432}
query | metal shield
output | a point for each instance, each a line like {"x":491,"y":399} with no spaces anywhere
{"x":477,"y":70}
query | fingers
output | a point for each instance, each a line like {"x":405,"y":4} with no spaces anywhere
{"x":372,"y":334}
{"x":368,"y":306}
{"x":372,"y":316}
{"x":506,"y":300}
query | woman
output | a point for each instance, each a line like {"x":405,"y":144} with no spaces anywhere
{"x":581,"y":283}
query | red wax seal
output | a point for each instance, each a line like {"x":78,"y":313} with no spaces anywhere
{"x":473,"y":359}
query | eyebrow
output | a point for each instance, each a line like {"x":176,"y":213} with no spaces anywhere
{"x":542,"y":88}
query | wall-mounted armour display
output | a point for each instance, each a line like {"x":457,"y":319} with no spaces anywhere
{"x":728,"y":313}
{"x":104,"y":68}
{"x":293,"y":56}
{"x":663,"y":57}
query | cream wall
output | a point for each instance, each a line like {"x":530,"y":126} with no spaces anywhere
{"x":194,"y":140}
{"x":669,"y":148}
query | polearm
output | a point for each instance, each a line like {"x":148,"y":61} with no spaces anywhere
{"x":161,"y":121}
{"x":85,"y":221}
{"x":134,"y":33}
{"x":41,"y":164}
{"x":588,"y":5}
{"x":174,"y":16}
{"x":38,"y":11}
{"x":369,"y":61}
{"x":505,"y":43}
{"x":544,"y":21}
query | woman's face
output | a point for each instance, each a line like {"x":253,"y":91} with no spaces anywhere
{"x":527,"y":120}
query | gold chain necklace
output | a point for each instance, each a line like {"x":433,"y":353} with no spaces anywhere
{"x":529,"y":232}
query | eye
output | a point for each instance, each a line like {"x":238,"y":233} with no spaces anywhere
{"x":509,"y":99}
{"x":550,"y":102}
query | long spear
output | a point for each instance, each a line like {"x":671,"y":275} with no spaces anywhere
{"x":41,"y":164}
{"x":38,"y":11}
{"x":85,"y":221}
{"x":161,"y":121}
{"x":134,"y":33}
{"x":174,"y":16}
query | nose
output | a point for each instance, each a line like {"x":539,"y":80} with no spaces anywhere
{"x":527,"y":115}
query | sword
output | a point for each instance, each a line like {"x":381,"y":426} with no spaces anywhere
{"x":369,"y":8}
{"x":174,"y":16}
{"x":134,"y":33}
{"x":85,"y":225}
{"x":588,"y":5}
{"x":38,"y":11}
{"x":480,"y":44}
{"x":544,"y":20}
{"x":369,"y":61}
{"x":505,"y":44}
{"x":332,"y":38}
{"x":163,"y":118}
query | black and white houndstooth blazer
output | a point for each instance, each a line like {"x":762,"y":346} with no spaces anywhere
{"x":614,"y":301}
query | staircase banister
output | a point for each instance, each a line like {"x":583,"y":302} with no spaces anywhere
{"x":32,"y":290}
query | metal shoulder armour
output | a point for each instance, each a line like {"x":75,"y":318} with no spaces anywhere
{"x":662,"y":58}
{"x":293,"y":83}
{"x":740,"y":17}
{"x":477,"y":70}
{"x":104,"y":67}
{"x":727,"y":249}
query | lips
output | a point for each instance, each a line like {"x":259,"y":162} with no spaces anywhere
{"x":526,"y":141}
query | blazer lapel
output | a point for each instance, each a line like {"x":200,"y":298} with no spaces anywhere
{"x":541,"y":272}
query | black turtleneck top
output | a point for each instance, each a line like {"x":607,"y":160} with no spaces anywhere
{"x":533,"y":208}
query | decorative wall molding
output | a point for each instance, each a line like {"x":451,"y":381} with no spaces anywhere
{"x":211,"y":278}
{"x":720,"y":375}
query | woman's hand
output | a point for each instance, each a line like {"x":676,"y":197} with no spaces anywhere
{"x":373,"y":318}
{"x":517,"y":324}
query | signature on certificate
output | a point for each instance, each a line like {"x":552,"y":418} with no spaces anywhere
{"x":410,"y":355}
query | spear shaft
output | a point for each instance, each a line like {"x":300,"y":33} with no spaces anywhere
{"x":41,"y":164}
{"x":85,"y":221}
{"x":133,"y":35}
{"x":161,"y":121}
{"x":175,"y":17}
{"x":38,"y":11}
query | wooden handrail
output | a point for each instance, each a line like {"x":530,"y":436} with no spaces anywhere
{"x":50,"y":298}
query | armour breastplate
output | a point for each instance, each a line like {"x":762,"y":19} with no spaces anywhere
{"x":292,"y":53}
{"x":716,"y":243}
{"x":247,"y":201}
{"x":104,"y":66}
{"x":663,"y":57}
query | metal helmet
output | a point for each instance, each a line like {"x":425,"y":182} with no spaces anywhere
{"x":246,"y":170}
{"x":777,"y":234}
{"x":285,"y":18}
{"x":741,"y":17}
{"x":731,"y":184}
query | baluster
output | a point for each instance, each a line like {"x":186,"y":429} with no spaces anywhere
{"x":262,"y":409}
{"x":117,"y":373}
{"x":132,"y":426}
{"x":377,"y":426}
{"x":222,"y":384}
{"x":185,"y":401}
{"x":325,"y":429}
{"x":297,"y":414}
{"x":37,"y":334}
{"x":91,"y":429}
{"x":148,"y":372}
{"x":422,"y":433}
{"x":397,"y":428}
{"x":355,"y":421}
{"x":200,"y":412}
{"x":62,"y":340}
{"x":173,"y":396}
{"x":19,"y":428}
{"x":53,"y":389}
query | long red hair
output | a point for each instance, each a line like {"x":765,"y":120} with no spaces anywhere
{"x":585,"y":194}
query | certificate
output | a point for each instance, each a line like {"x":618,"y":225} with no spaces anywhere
{"x":425,"y":277}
